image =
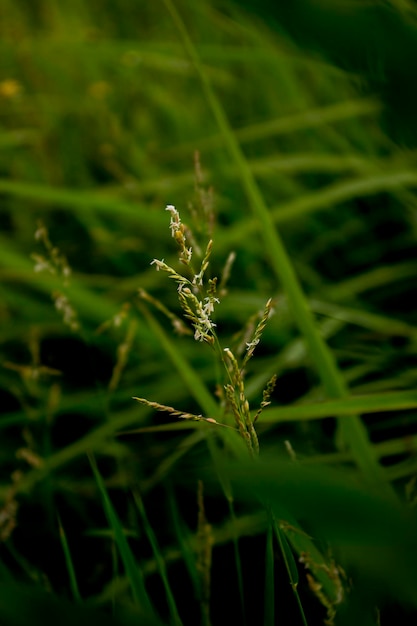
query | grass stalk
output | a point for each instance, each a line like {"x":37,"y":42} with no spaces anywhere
{"x":69,"y":563}
{"x":353,"y":433}
{"x":269,"y":594}
{"x":133,"y":572}
{"x":291,"y":568}
{"x":175,"y":618}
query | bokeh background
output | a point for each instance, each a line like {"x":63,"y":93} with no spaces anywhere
{"x":104,"y":120}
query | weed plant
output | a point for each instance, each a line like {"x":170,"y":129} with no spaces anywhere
{"x":230,"y":438}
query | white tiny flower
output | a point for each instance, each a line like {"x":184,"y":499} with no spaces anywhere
{"x":158,"y":264}
{"x":60,"y":303}
{"x":40,"y":233}
{"x":117,"y":320}
{"x":209,"y":305}
{"x":40,"y":267}
{"x":198,"y":279}
{"x":175,"y":219}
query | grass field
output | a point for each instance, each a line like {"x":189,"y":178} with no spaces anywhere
{"x":176,"y":450}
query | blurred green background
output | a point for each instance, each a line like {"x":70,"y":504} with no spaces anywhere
{"x":105,"y":118}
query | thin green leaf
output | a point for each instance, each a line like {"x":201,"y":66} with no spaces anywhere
{"x":69,"y":563}
{"x":175,"y":618}
{"x":183,"y":536}
{"x":132,"y":569}
{"x":291,"y":568}
{"x":352,"y":430}
{"x":269,"y":593}
{"x":375,"y":403}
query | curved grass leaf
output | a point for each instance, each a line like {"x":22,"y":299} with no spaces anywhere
{"x":375,"y":403}
{"x":372,"y":537}
{"x":351,"y":431}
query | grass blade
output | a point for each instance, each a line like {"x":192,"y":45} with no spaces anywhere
{"x":269,"y":597}
{"x":352,"y":431}
{"x":69,"y":563}
{"x":375,"y":403}
{"x":175,"y":618}
{"x":183,"y":535}
{"x":291,"y":568}
{"x":133,"y":572}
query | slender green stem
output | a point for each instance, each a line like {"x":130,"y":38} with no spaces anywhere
{"x":353,"y":433}
{"x":69,"y":562}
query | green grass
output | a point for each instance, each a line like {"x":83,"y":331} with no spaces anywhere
{"x":111,"y":509}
